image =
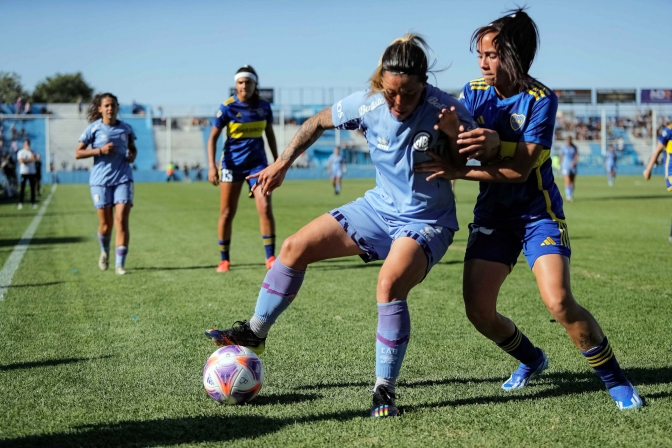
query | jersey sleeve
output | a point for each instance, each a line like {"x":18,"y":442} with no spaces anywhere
{"x":349,"y":112}
{"x":665,"y":136}
{"x":87,"y":136}
{"x":269,"y":114}
{"x":221,"y":117}
{"x":467,"y":99}
{"x":131,"y":134}
{"x":542,"y":122}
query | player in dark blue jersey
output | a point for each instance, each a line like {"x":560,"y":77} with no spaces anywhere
{"x":113,"y":150}
{"x":246,"y":117}
{"x":664,"y":144}
{"x":403,"y":220}
{"x":519,"y":206}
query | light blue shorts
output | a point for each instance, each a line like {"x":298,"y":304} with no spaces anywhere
{"x":375,"y":234}
{"x":106,"y":196}
{"x":336,"y":173}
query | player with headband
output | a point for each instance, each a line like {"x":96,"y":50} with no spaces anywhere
{"x":246,"y":117}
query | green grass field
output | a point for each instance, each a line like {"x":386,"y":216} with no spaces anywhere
{"x":88,"y":358}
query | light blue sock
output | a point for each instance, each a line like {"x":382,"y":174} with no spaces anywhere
{"x":120,"y":260}
{"x":394,"y":331}
{"x":104,"y":242}
{"x":571,"y":191}
{"x":568,"y":192}
{"x":279,"y":288}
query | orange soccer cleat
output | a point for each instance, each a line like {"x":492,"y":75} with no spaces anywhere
{"x":224,"y":266}
{"x":269,"y":262}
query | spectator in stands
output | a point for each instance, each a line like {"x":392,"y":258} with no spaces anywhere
{"x":569,"y":160}
{"x":14,"y":132}
{"x":19,"y":106}
{"x":137,"y":109}
{"x":38,"y":174}
{"x":14,"y":146}
{"x":79,"y":106}
{"x":43,"y":110}
{"x":185,"y":169}
{"x":26,"y":159}
{"x":27,"y":108}
{"x":64,"y":166}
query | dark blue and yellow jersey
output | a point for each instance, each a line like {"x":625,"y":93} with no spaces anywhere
{"x":245,"y":125}
{"x":665,"y":138}
{"x":526,"y":117}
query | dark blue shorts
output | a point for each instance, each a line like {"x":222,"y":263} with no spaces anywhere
{"x":503,"y":245}
{"x":238,"y":174}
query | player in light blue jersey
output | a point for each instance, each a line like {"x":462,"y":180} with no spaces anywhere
{"x":610,"y":165}
{"x":569,"y":162}
{"x":246,"y":117}
{"x":519,"y":206}
{"x":664,"y":144}
{"x":113,"y":151}
{"x":336,"y":166}
{"x":403,"y":220}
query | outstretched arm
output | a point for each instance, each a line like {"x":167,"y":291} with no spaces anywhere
{"x":271,"y":178}
{"x":652,"y":161}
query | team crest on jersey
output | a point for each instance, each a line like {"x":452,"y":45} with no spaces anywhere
{"x":219,"y":113}
{"x":123,"y":137}
{"x":422,"y":140}
{"x":517,"y":121}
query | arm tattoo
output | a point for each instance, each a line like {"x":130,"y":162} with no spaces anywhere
{"x":311,"y":130}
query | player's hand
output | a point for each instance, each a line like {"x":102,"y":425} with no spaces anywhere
{"x":448,"y":123}
{"x":647,"y":174}
{"x":107,"y":148}
{"x":480,"y":144}
{"x":130,"y":156}
{"x":269,"y":178}
{"x":439,"y":167}
{"x":213,"y":175}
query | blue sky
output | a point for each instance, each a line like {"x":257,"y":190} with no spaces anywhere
{"x":179,"y":52}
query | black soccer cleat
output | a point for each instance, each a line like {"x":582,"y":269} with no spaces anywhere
{"x":239,"y":334}
{"x":383,"y":404}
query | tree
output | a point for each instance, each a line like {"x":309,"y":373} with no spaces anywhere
{"x":11,"y":88}
{"x":62,"y":88}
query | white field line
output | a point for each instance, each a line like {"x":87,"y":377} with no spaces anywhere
{"x":12,"y":263}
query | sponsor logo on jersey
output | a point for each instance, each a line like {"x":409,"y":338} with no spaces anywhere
{"x":434,"y":101}
{"x":383,"y":144}
{"x":422,"y":140}
{"x":339,"y":109}
{"x":103,"y":138}
{"x":517,"y":121}
{"x":375,"y":103}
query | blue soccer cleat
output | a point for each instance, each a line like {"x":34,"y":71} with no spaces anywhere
{"x":524,"y":374}
{"x":626,"y":397}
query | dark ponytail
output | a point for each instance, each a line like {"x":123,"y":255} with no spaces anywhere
{"x":516,"y":43}
{"x":93,"y":114}
{"x":405,"y":56}
{"x":254,"y":101}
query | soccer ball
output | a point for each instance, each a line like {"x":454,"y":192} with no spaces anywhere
{"x":233,"y":375}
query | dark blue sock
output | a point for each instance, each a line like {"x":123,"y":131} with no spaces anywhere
{"x":521,"y":348}
{"x":269,"y":245}
{"x":603,"y":360}
{"x":224,"y":249}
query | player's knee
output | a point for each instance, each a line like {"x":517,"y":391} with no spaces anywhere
{"x":292,"y":249}
{"x":480,"y":317}
{"x":226,"y":214}
{"x":564,"y":308}
{"x":390,"y":288}
{"x":104,"y":228}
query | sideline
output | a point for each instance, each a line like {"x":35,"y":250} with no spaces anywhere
{"x":12,"y":263}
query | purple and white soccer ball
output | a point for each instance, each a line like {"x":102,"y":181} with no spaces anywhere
{"x":233,"y":375}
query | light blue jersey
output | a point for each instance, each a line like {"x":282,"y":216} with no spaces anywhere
{"x":336,"y":165}
{"x":568,"y":153}
{"x":395,"y":147}
{"x":610,"y":160}
{"x":111,"y":169}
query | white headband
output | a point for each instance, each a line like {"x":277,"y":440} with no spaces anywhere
{"x":252,"y":76}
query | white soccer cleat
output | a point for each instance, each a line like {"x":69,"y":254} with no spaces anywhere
{"x":119,"y":270}
{"x":20,"y":206}
{"x":103,"y":261}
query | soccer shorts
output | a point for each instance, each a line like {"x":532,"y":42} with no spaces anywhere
{"x":106,"y":196}
{"x":375,"y":234}
{"x":336,"y":174}
{"x":503,"y":245}
{"x":568,"y":171}
{"x":239,"y":173}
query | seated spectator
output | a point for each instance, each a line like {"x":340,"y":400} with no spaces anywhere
{"x":137,"y":109}
{"x":27,"y":108}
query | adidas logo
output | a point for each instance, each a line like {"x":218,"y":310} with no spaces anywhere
{"x":239,"y":115}
{"x":548,"y":242}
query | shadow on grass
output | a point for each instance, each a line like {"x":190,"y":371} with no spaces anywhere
{"x":29,"y":285}
{"x":41,"y":241}
{"x":173,"y":431}
{"x":47,"y":363}
{"x":626,"y":198}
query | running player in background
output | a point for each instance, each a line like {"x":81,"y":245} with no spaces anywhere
{"x":336,"y":166}
{"x":113,"y":150}
{"x":610,"y":165}
{"x":569,"y":160}
{"x":403,"y":220}
{"x":664,"y":143}
{"x":519,"y":206}
{"x":246,"y":117}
